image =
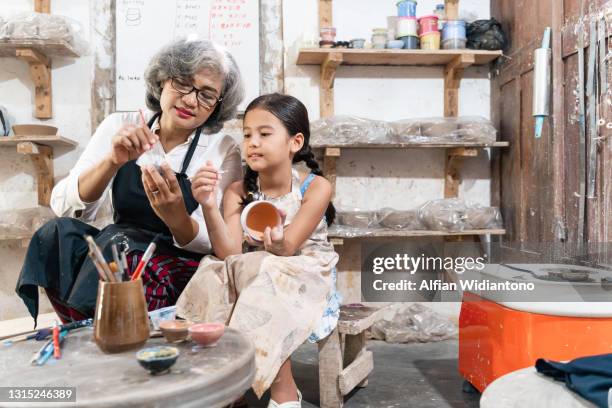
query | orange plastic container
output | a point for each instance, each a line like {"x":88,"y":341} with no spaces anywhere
{"x":495,"y":340}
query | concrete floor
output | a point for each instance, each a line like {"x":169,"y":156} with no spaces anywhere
{"x":405,"y":376}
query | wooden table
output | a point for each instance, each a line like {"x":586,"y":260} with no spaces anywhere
{"x":201,"y":377}
{"x":526,"y":388}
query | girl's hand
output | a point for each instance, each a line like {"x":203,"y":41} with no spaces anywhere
{"x":131,"y":142}
{"x":274,"y":238}
{"x":164,"y":193}
{"x":204,"y":185}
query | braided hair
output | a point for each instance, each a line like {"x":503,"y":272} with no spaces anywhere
{"x":293,"y":115}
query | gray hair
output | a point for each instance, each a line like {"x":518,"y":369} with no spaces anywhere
{"x":184,"y":58}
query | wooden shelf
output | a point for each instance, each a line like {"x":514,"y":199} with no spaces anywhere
{"x":40,"y":149}
{"x":317,"y":56}
{"x":338,"y":238}
{"x":9,"y":48}
{"x":51,"y":141}
{"x":408,"y":145}
{"x":22,"y":237}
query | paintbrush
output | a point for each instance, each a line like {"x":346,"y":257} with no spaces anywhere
{"x":99,"y":258}
{"x":146,"y":257}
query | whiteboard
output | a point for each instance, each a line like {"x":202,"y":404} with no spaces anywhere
{"x":144,"y":26}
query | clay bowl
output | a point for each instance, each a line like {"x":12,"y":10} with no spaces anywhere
{"x":175,"y":331}
{"x":157,"y":360}
{"x":37,"y":130}
{"x":206,"y":334}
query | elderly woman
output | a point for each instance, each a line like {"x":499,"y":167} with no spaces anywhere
{"x":192,"y":88}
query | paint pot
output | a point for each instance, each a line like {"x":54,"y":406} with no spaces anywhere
{"x":328,"y":34}
{"x":175,"y":331}
{"x":428,"y":24}
{"x":454,"y":44}
{"x":357,"y":42}
{"x":407,"y":26}
{"x":395,"y":44}
{"x":157,"y":360}
{"x":206,"y":334}
{"x":379,"y":38}
{"x":454,"y":29}
{"x":258,"y":215}
{"x":411,"y":42}
{"x":430,"y":41}
{"x":121,"y":321}
{"x":406,"y":8}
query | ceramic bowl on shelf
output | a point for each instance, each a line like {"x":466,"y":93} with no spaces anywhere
{"x":34,"y":130}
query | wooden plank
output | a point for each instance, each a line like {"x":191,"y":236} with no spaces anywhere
{"x":354,"y":346}
{"x":46,"y":140}
{"x":354,"y":320}
{"x":407,"y":145}
{"x":326,"y":86}
{"x":42,"y":157}
{"x":42,"y":6}
{"x":415,"y":233}
{"x":452,"y":79}
{"x":356,"y":372}
{"x":51,"y":48}
{"x":451,"y":8}
{"x":325,"y":13}
{"x":316,"y":56}
{"x":332,"y":151}
{"x":33,"y":148}
{"x":330,"y":367}
{"x":329,"y":171}
{"x":40,"y":71}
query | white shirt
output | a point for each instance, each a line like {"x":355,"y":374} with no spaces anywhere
{"x":220,"y":149}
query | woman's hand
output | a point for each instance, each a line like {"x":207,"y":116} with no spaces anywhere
{"x":131,"y":142}
{"x":164,"y":194}
{"x":274,"y":238}
{"x":204,"y":185}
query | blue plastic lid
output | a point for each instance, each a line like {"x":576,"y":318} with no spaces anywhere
{"x":439,"y":6}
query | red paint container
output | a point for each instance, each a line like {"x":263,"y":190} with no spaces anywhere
{"x":428,"y":24}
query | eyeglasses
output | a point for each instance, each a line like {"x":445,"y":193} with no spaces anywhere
{"x":206,"y":99}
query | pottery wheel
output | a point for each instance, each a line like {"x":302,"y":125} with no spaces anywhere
{"x":201,"y":377}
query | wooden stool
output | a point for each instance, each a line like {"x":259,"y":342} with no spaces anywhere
{"x":344,"y":362}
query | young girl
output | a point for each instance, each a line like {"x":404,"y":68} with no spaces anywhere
{"x":277,"y":294}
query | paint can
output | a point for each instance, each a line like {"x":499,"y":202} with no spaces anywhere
{"x":411,"y":42}
{"x":428,"y":24}
{"x":328,"y":34}
{"x":454,"y":29}
{"x":406,"y":8}
{"x":407,"y":26}
{"x":430,"y":41}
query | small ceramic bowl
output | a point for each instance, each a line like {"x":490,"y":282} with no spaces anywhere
{"x":206,"y":334}
{"x":175,"y":331}
{"x":395,"y":44}
{"x":157,"y":359}
{"x":257,"y":216}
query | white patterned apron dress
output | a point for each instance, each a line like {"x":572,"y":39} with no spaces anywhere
{"x":277,"y":301}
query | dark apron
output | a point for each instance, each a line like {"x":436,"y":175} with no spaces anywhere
{"x":57,"y":255}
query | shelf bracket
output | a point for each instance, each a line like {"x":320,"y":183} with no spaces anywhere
{"x":328,"y":75}
{"x":452,"y":179}
{"x":42,"y":156}
{"x":329,"y":166}
{"x":40,"y":71}
{"x":452,"y":77}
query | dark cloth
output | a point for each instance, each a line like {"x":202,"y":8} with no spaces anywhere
{"x":57,"y":259}
{"x":589,"y":377}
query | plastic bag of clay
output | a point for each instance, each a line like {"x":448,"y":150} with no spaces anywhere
{"x":478,"y":217}
{"x":357,"y":218}
{"x":45,"y":27}
{"x":447,"y":130}
{"x":444,"y":215}
{"x":413,"y":323}
{"x":344,"y":231}
{"x":24,"y":221}
{"x":348,"y":130}
{"x":400,"y":219}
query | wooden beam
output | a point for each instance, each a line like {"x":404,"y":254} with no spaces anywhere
{"x":325,"y":13}
{"x":330,"y":366}
{"x":451,"y":9}
{"x":354,"y":346}
{"x":452,"y":79}
{"x":40,"y":71}
{"x":356,"y":372}
{"x":42,"y":157}
{"x":42,"y":6}
{"x":326,"y":91}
